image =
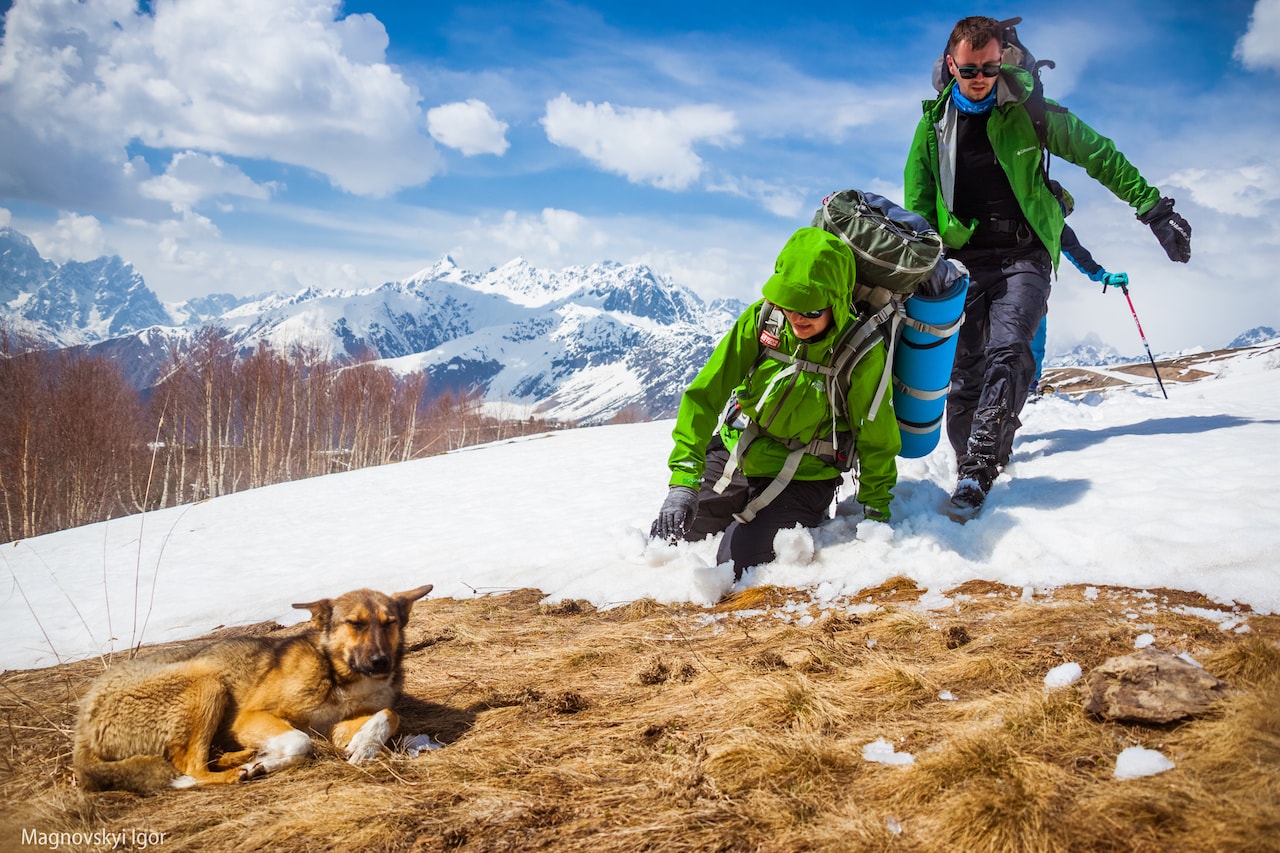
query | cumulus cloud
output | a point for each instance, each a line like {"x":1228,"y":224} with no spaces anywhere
{"x":72,"y":237}
{"x":540,"y":238}
{"x":469,"y":126}
{"x":647,"y":146}
{"x":279,"y":80}
{"x":779,"y":199}
{"x":1245,"y":191}
{"x":192,"y":177}
{"x":1259,"y":48}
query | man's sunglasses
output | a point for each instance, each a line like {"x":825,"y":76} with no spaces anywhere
{"x":968,"y":72}
{"x":812,"y":315}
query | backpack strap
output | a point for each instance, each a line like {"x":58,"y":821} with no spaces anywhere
{"x":881,"y":327}
{"x":784,"y":476}
{"x":850,"y":349}
{"x":1038,"y":109}
{"x":942,"y":332}
{"x":1036,"y":106}
{"x":774,"y":488}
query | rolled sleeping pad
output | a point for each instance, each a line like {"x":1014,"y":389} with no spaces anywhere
{"x":922,"y":366}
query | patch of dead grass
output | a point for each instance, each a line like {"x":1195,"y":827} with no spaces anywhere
{"x":651,"y":727}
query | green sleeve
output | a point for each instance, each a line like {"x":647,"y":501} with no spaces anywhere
{"x":920,"y":187}
{"x":705,"y":398}
{"x":878,"y":440}
{"x":1070,"y":138}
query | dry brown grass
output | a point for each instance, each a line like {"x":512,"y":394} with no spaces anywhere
{"x":648,"y":727}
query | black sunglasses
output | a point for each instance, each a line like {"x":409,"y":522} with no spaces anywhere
{"x":968,"y":72}
{"x":812,"y":315}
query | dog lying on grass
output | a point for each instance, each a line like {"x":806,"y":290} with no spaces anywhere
{"x":152,"y":723}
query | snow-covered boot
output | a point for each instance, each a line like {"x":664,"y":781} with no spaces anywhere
{"x":967,"y":499}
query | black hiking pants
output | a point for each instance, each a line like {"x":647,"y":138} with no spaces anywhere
{"x":803,"y":502}
{"x":993,"y":369}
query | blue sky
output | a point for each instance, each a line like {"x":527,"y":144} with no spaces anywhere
{"x":252,"y":145}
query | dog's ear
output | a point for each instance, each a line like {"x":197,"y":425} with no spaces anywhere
{"x":320,"y":612}
{"x":404,"y":600}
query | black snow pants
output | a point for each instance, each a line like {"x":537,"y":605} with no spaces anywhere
{"x":803,"y":502}
{"x":1008,"y":295}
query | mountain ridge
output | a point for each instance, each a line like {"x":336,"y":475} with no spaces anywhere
{"x":578,"y":344}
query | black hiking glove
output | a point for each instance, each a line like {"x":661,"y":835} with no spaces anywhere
{"x":1173,"y":232}
{"x":676,"y":514}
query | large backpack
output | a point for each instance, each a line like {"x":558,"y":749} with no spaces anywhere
{"x":897,"y":255}
{"x":1017,"y":54}
{"x":897,"y":252}
{"x":894,"y":248}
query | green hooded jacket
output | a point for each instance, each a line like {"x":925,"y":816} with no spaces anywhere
{"x":929,"y":173}
{"x":814,"y":270}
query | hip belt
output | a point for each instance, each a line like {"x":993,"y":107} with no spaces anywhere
{"x":1003,"y":234}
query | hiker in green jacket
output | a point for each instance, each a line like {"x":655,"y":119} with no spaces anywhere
{"x":756,"y":466}
{"x":976,"y":172}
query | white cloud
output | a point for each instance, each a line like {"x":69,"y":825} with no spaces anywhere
{"x":192,"y":177}
{"x":72,"y":238}
{"x":1245,"y":191}
{"x":279,"y":80}
{"x":1259,"y":48}
{"x":645,"y":145}
{"x":779,"y":199}
{"x":5,"y":217}
{"x":469,"y":126}
{"x":541,"y":238}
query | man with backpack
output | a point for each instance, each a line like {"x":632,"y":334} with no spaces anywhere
{"x":977,"y":172}
{"x":759,"y":445}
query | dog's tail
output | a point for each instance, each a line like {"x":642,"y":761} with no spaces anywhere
{"x":142,"y":774}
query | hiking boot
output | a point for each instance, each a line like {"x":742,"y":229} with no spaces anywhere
{"x":968,"y":494}
{"x":966,"y":501}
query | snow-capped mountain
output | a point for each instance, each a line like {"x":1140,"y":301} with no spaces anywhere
{"x":75,"y":302}
{"x":1253,"y":337}
{"x":1091,"y":353}
{"x":578,"y":344}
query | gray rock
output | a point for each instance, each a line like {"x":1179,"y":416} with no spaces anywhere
{"x":1151,"y":686}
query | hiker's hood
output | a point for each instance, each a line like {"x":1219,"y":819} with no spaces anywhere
{"x":1015,"y":85}
{"x":814,"y":270}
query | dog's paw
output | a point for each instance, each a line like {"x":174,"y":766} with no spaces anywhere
{"x":368,"y":741}
{"x":183,"y":782}
{"x":252,"y":771}
{"x":415,"y":745}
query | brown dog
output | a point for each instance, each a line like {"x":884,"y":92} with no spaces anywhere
{"x":150,"y":723}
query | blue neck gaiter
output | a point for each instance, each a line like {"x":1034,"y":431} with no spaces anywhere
{"x":965,"y":105}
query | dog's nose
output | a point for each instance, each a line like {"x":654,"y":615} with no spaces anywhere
{"x":380,"y":663}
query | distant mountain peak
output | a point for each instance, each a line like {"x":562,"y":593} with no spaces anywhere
{"x":1091,"y":352}
{"x":1253,"y":337}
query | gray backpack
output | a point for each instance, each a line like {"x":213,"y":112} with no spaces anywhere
{"x":894,"y":248}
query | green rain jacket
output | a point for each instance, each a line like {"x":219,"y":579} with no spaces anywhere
{"x":930,"y":170}
{"x":814,"y":270}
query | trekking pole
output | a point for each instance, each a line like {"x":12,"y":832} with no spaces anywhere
{"x":1124,"y":288}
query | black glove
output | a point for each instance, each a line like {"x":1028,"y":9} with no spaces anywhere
{"x":677,"y":513}
{"x":1173,"y":232}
